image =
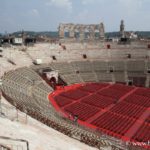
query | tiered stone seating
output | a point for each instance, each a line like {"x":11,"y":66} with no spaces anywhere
{"x":102,"y":71}
{"x":29,"y":73}
{"x":119,"y":77}
{"x":118,"y":70}
{"x":104,"y":77}
{"x":100,"y":66}
{"x":63,"y":67}
{"x":118,"y":66}
{"x":18,"y":85}
{"x":72,"y":78}
{"x":85,"y":70}
{"x":135,"y":66}
{"x":30,"y":93}
{"x":82,"y":66}
{"x":88,"y":77}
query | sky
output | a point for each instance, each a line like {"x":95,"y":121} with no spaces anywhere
{"x":45,"y":15}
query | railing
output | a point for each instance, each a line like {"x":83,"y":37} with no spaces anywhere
{"x":7,"y":143}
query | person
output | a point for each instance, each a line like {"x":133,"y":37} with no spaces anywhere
{"x":75,"y":118}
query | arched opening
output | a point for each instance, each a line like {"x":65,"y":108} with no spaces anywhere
{"x":86,"y":33}
{"x":52,"y":82}
{"x":77,"y":34}
{"x":66,"y":33}
{"x":96,"y":34}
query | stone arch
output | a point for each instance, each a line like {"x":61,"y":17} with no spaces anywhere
{"x":86,"y":32}
{"x":92,"y":31}
{"x":53,"y":82}
{"x":77,"y":32}
{"x":66,"y":32}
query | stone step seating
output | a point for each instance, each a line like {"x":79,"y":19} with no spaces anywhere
{"x":119,"y":77}
{"x":71,"y":78}
{"x":82,"y":66}
{"x":20,"y":99}
{"x":88,"y":77}
{"x":45,"y":87}
{"x":27,"y":72}
{"x":117,"y":66}
{"x":104,"y":77}
{"x":87,"y":71}
{"x":20,"y":79}
{"x":136,"y":66}
{"x":39,"y":107}
{"x":100,"y":66}
{"x":63,"y":68}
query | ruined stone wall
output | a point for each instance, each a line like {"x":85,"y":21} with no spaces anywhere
{"x":82,"y":30}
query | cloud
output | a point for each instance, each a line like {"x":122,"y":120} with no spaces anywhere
{"x":131,"y":6}
{"x":82,"y":16}
{"x":34,"y":12}
{"x":88,"y":2}
{"x":85,"y":2}
{"x":66,"y":4}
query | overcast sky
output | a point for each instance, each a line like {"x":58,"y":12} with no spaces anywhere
{"x":45,"y":15}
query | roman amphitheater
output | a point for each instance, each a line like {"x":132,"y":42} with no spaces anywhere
{"x":86,"y":96}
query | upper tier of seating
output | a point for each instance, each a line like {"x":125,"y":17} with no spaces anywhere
{"x":126,"y":71}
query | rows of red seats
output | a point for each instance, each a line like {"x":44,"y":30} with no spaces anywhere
{"x":138,"y":100}
{"x":148,"y":119}
{"x":143,"y":134}
{"x":113,"y":123}
{"x":74,"y":94}
{"x":128,"y":109}
{"x":62,"y":101}
{"x":110,"y":92}
{"x":98,"y":100}
{"x":143,"y":92}
{"x":119,"y":118}
{"x":83,"y":111}
{"x":93,"y":87}
{"x":122,"y":87}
